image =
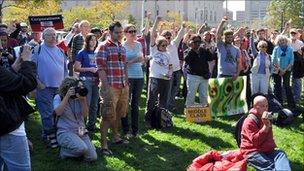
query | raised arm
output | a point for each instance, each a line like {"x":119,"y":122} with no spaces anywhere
{"x":220,"y":29}
{"x":153,"y":32}
{"x":180,"y":34}
{"x":147,"y":25}
{"x":252,"y":45}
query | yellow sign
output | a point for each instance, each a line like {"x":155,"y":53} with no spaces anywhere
{"x":198,"y":114}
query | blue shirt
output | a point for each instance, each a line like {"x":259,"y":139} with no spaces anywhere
{"x":283,"y":61}
{"x":227,"y":59}
{"x":87,"y":59}
{"x":135,"y":69}
{"x":51,"y":65}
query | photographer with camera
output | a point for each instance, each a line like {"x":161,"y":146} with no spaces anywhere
{"x":257,"y":143}
{"x":70,"y":106}
{"x":15,"y":82}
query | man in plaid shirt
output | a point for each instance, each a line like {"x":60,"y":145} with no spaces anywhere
{"x":114,"y":89}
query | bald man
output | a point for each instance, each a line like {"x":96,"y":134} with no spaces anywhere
{"x":257,"y":143}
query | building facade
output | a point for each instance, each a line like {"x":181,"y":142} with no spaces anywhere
{"x":196,"y":11}
{"x":256,"y":10}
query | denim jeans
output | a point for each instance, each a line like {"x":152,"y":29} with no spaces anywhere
{"x":174,"y":87}
{"x":74,"y":146}
{"x":14,"y":153}
{"x":297,"y":89}
{"x":277,"y":160}
{"x":195,"y":82}
{"x":259,"y":83}
{"x":286,"y":85}
{"x":92,"y":100}
{"x":135,"y":89}
{"x":158,"y":90}
{"x":44,"y":102}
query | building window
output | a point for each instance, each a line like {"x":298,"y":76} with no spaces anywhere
{"x":211,"y":16}
{"x":157,"y":12}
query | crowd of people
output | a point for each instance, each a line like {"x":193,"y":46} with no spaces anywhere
{"x":93,"y":66}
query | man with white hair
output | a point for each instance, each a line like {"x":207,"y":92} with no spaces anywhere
{"x":51,"y":70}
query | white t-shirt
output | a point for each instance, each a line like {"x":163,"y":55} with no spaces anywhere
{"x":159,"y":64}
{"x":296,"y":45}
{"x":173,"y":51}
{"x":19,"y":131}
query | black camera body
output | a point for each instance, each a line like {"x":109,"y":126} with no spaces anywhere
{"x":4,"y":59}
{"x":79,"y":89}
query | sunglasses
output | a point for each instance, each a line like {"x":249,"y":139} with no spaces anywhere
{"x":263,"y":46}
{"x":164,"y":45}
{"x":197,"y":42}
{"x":168,"y":37}
{"x":131,"y":31}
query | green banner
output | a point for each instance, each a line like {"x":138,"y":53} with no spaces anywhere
{"x":227,"y":97}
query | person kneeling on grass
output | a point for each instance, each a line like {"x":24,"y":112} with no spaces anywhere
{"x":257,"y":143}
{"x":71,"y":108}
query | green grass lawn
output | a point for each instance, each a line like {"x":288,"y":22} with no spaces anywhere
{"x":168,"y":149}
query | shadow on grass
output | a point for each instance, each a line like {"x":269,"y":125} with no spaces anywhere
{"x":212,"y":141}
{"x":296,"y":165}
{"x":148,"y":153}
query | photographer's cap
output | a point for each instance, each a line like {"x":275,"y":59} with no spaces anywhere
{"x":3,"y":25}
{"x":293,"y":31}
{"x":23,"y":24}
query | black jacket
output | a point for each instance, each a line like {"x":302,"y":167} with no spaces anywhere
{"x":197,"y":63}
{"x":13,"y":87}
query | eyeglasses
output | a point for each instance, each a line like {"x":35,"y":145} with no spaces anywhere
{"x":131,"y":31}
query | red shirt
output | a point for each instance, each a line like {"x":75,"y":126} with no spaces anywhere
{"x":111,"y":58}
{"x":254,"y":139}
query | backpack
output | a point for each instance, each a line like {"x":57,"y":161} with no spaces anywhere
{"x":161,"y":118}
{"x":239,"y":125}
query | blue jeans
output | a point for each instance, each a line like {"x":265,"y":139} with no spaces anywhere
{"x":44,"y":102}
{"x":158,"y":90}
{"x":276,"y":160}
{"x":74,"y":146}
{"x":92,"y":100}
{"x":174,"y":87}
{"x":259,"y":83}
{"x":286,"y":85}
{"x":14,"y":153}
{"x":195,"y":82}
{"x":135,"y":89}
{"x":297,"y":89}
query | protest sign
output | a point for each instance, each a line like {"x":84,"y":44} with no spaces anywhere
{"x":39,"y":23}
{"x":198,"y":114}
{"x":227,"y":97}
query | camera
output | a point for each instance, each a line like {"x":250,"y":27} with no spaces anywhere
{"x":273,"y":117}
{"x":79,"y":89}
{"x":5,"y":61}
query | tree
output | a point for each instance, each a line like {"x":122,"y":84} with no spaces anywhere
{"x":280,"y":11}
{"x":101,"y":14}
{"x":132,"y":20}
{"x":20,"y":9}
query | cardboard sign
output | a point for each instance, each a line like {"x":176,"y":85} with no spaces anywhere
{"x":227,"y":97}
{"x":198,"y":114}
{"x":39,"y":23}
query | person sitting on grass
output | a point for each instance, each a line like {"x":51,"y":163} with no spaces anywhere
{"x":257,"y":143}
{"x":71,"y":108}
